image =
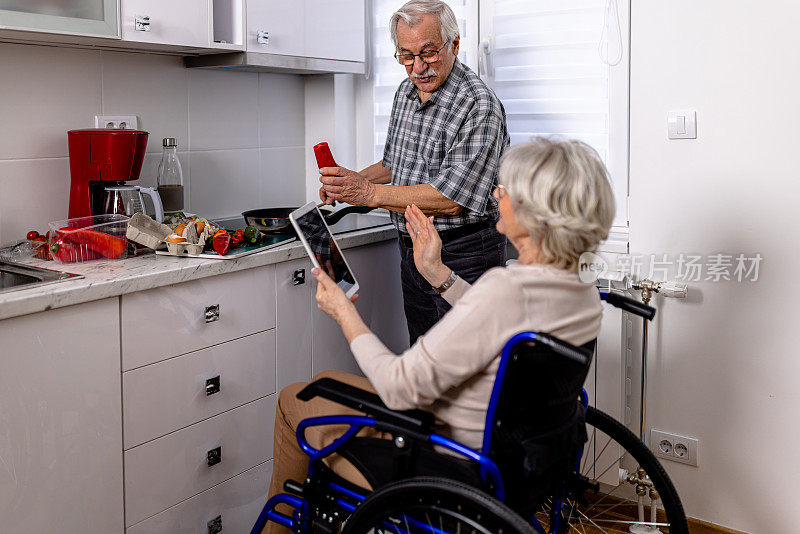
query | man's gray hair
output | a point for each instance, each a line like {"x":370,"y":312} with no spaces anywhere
{"x":411,"y":11}
{"x":560,"y":191}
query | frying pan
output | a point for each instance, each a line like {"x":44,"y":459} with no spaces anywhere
{"x":276,"y":220}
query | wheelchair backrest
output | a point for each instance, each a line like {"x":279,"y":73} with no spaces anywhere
{"x":532,"y":416}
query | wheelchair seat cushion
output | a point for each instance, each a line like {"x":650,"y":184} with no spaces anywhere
{"x":374,"y":458}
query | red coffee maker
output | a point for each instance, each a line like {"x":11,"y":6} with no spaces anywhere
{"x":99,"y":157}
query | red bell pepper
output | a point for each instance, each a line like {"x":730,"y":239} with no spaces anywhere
{"x":67,"y":251}
{"x":221,"y":242}
{"x":237,"y":237}
{"x":324,"y":156}
{"x":107,"y":245}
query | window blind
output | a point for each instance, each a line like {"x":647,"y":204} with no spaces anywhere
{"x":545,"y":67}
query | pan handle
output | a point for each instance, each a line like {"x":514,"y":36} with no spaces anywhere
{"x":336,"y":216}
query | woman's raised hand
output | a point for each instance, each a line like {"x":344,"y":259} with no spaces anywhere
{"x":427,"y":246}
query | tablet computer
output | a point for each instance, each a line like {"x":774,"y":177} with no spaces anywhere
{"x":321,"y":247}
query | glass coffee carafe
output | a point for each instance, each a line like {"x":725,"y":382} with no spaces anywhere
{"x":127,"y":200}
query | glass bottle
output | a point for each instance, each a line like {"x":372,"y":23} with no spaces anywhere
{"x":170,"y":177}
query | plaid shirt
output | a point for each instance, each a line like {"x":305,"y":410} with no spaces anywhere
{"x":452,"y":141}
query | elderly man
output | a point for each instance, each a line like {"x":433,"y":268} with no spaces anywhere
{"x":446,"y":135}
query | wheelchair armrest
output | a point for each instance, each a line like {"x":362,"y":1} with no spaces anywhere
{"x":369,"y":403}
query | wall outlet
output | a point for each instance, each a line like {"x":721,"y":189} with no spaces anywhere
{"x":673,"y":447}
{"x":126,"y":122}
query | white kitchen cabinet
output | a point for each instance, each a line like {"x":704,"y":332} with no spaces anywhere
{"x":293,"y":336}
{"x":177,"y":22}
{"x":89,"y":389}
{"x":96,"y":18}
{"x":234,"y":505}
{"x":60,"y":421}
{"x":321,"y":29}
{"x":334,"y":29}
{"x":178,"y":392}
{"x":380,"y":303}
{"x":276,"y":27}
{"x":167,"y":321}
{"x":163,"y":472}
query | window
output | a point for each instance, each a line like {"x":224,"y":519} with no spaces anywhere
{"x":559,"y":67}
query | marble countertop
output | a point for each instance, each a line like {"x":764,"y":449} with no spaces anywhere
{"x":112,"y":278}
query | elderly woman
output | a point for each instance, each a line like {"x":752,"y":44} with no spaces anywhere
{"x":555,"y":203}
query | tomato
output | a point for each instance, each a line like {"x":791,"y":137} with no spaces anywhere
{"x":32,"y":235}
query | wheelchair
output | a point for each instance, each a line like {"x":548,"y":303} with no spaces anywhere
{"x":549,"y":463}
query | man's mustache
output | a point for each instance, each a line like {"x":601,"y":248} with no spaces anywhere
{"x":429,"y":72}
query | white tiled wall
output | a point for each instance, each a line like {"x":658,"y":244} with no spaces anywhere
{"x":240,"y":135}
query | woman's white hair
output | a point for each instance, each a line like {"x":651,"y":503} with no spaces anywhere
{"x":560,"y":192}
{"x":411,"y":11}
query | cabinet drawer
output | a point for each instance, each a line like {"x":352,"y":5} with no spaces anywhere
{"x":166,"y":396}
{"x":236,"y":502}
{"x":170,"y":469}
{"x":167,"y":321}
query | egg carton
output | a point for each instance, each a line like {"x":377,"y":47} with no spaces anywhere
{"x":145,"y":231}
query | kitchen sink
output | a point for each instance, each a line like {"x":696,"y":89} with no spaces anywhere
{"x":19,"y":276}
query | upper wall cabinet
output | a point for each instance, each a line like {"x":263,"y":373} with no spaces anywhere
{"x":276,"y":27}
{"x":177,"y":22}
{"x":334,"y":29}
{"x":322,"y":29}
{"x":196,"y":25}
{"x":94,"y":18}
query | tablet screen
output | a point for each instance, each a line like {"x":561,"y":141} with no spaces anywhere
{"x":324,"y":248}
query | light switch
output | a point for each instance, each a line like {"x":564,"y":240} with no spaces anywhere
{"x":682,"y":124}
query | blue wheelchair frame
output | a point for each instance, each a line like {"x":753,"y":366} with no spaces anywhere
{"x":301,"y":521}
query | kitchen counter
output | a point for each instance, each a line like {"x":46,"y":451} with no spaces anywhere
{"x":112,"y":278}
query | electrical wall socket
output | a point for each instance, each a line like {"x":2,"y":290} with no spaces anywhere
{"x":673,"y":447}
{"x":126,"y":122}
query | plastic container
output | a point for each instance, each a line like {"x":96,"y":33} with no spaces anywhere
{"x":89,"y":238}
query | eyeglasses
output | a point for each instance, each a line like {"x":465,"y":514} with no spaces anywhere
{"x":428,"y":57}
{"x":499,"y":191}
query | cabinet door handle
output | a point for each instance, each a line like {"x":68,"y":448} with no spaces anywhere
{"x":262,"y":37}
{"x":212,"y":313}
{"x":212,"y":385}
{"x":299,"y":277}
{"x":141,"y":23}
{"x":215,"y":525}
{"x":214,"y":456}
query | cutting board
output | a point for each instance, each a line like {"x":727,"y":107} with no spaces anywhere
{"x":236,"y":252}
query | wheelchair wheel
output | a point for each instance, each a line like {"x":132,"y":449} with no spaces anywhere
{"x":625,"y":469}
{"x":433,"y":505}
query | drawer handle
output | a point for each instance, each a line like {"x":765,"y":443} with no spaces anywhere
{"x":212,"y":313}
{"x":299,"y":277}
{"x":215,"y":525}
{"x":141,"y":23}
{"x":212,"y":385}
{"x":214,"y":456}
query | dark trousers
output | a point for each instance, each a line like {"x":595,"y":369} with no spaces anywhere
{"x":469,"y":256}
